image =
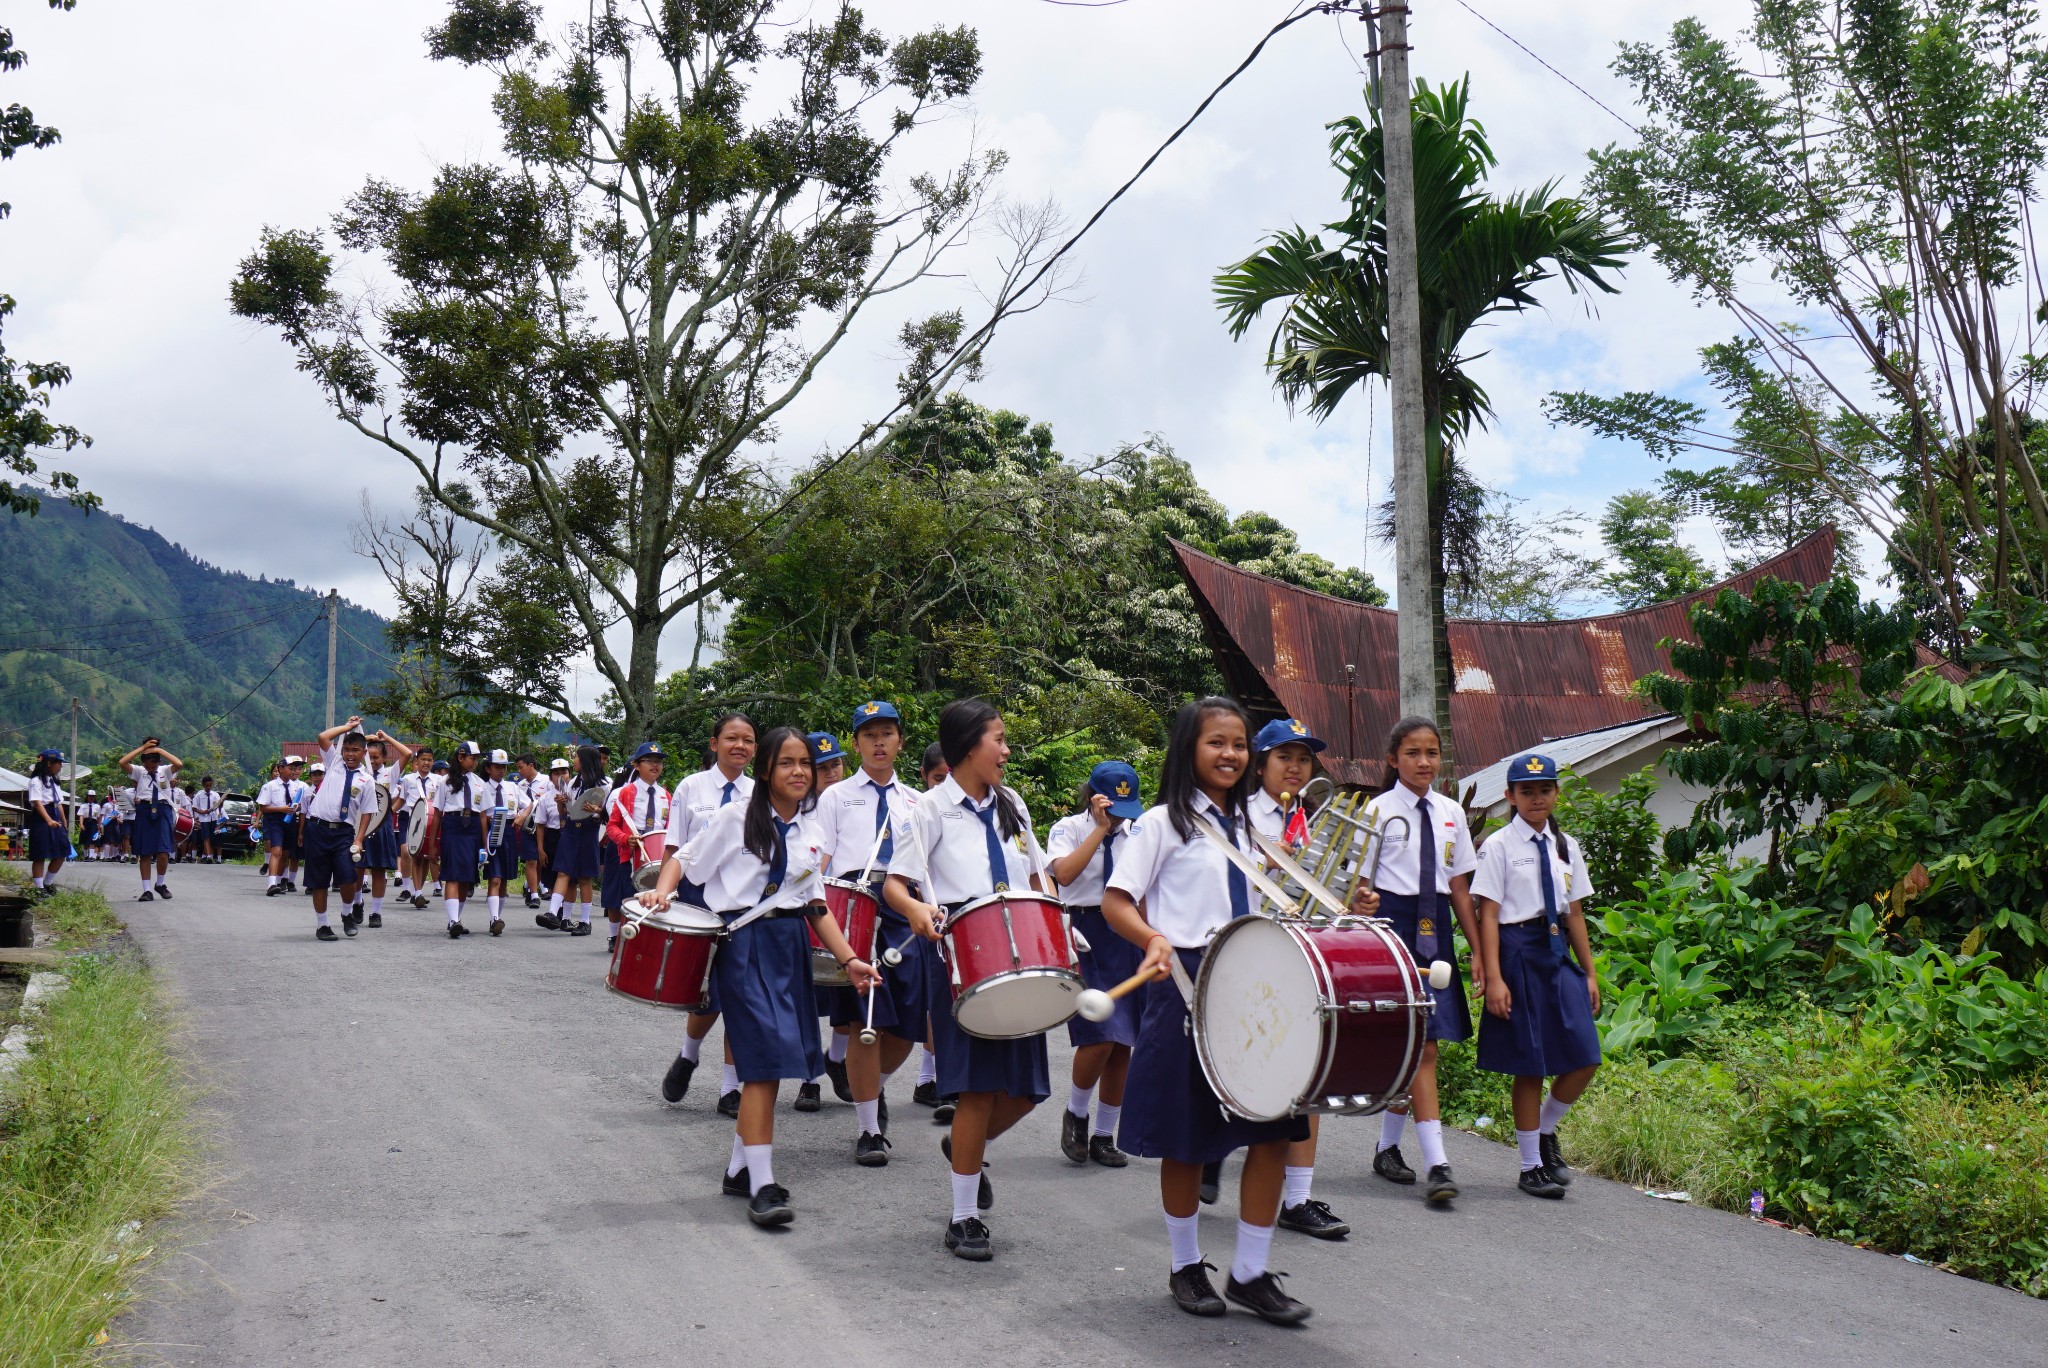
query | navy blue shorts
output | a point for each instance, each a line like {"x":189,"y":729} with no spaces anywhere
{"x":529,"y":846}
{"x":1549,"y":1029}
{"x":328,"y":861}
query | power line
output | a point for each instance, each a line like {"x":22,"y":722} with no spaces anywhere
{"x":1548,"y":67}
{"x":318,"y":618}
{"x":21,"y":643}
{"x":368,"y":647}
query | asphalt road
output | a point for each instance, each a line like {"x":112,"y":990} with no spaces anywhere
{"x":436,"y":1152}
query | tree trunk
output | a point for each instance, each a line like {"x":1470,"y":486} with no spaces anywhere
{"x":1439,"y":636}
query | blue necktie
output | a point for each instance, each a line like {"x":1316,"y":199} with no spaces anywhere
{"x":998,"y":867}
{"x":1109,"y":856}
{"x":1240,"y":891}
{"x":1425,"y":890}
{"x":649,"y":824}
{"x":778,"y":864}
{"x":725,"y":796}
{"x":348,"y":791}
{"x":1549,"y":895}
{"x":882,"y":820}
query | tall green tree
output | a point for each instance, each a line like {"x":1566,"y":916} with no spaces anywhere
{"x":1650,"y":564}
{"x":596,"y":334}
{"x":1479,"y":255}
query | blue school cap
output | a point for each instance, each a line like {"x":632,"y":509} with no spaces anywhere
{"x":647,"y":749}
{"x":56,"y":755}
{"x":875,"y":710}
{"x":1283,"y":732}
{"x":824,"y":746}
{"x":1531,"y":768}
{"x":440,"y":767}
{"x":1118,"y":782}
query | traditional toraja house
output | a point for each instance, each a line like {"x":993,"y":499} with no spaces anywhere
{"x":1569,"y":686}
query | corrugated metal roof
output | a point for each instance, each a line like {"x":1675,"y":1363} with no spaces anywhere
{"x":1331,"y":662}
{"x":1593,"y":749}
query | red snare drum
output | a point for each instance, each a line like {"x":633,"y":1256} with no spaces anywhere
{"x":1013,"y":965}
{"x":664,"y":959}
{"x":1296,"y":1016}
{"x":853,"y":907}
{"x":646,"y":855}
{"x":181,"y":824}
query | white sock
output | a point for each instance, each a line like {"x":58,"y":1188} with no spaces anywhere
{"x":497,"y":902}
{"x":729,"y":1081}
{"x":147,"y":872}
{"x":739,"y":1155}
{"x":1391,"y":1125}
{"x":1532,"y":1151}
{"x":692,"y":1047}
{"x":405,"y":887}
{"x":321,"y":917}
{"x":1185,"y":1235}
{"x":835,"y":1049}
{"x":583,"y":913}
{"x":760,"y":1166}
{"x":1253,"y":1244}
{"x":1078,"y":1099}
{"x":1430,"y":1135}
{"x":1552,"y":1113}
{"x":555,"y":904}
{"x":1296,"y":1188}
{"x":870,"y":1114}
{"x":927,"y":1066}
{"x":376,"y":907}
{"x":1106,"y":1118}
{"x":454,"y":910}
{"x":966,"y":1191}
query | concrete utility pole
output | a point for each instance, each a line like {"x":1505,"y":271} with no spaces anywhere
{"x":74,"y":755}
{"x":1404,"y":344}
{"x":333,"y":631}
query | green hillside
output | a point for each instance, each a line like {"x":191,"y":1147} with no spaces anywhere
{"x":151,"y":639}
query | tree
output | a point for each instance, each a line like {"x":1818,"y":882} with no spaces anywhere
{"x":595,"y":337}
{"x":1879,"y":162}
{"x":1650,"y":564}
{"x":1512,"y":569}
{"x":1478,"y":256}
{"x":26,"y":387}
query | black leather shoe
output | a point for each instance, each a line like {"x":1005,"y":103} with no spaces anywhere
{"x":348,"y":928}
{"x":497,"y":926}
{"x":419,"y":900}
{"x":968,"y":1239}
{"x":809,"y":1098}
{"x":925,"y":1094}
{"x":1553,"y":1159}
{"x":871,"y":1151}
{"x":985,"y":1197}
{"x":579,"y":929}
{"x":1212,"y":1183}
{"x":1074,"y":1137}
{"x":738,"y":1184}
{"x":1192,"y":1291}
{"x":611,"y":947}
{"x":676,"y":1081}
{"x":548,"y":921}
{"x":147,"y":896}
{"x":325,"y":933}
{"x":942,"y":1115}
{"x":1313,"y":1218}
{"x":1102,"y":1150}
{"x":532,"y":901}
{"x":1537,"y":1182}
{"x":1389,"y":1165}
{"x":164,"y":891}
{"x":1441,"y":1187}
{"x":729,"y":1104}
{"x":376,"y":920}
{"x":770,"y":1206}
{"x":835,"y":1069}
{"x":273,"y":890}
{"x":454,"y":930}
{"x":1263,"y":1298}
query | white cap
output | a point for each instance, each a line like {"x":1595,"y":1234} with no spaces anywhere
{"x":318,"y":768}
{"x":558,"y":763}
{"x":295,"y":759}
{"x":499,"y":757}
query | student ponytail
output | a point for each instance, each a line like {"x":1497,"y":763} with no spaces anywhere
{"x":962,"y":724}
{"x":760,"y":836}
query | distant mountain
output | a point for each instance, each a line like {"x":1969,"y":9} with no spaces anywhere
{"x":152,"y":639}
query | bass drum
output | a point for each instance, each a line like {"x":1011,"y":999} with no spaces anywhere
{"x":1292,"y":1017}
{"x":423,"y":831}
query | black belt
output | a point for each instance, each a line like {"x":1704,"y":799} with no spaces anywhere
{"x":322,"y":821}
{"x":778,"y":912}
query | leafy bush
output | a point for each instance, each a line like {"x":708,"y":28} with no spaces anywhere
{"x":1620,"y":834}
{"x":1829,"y":1141}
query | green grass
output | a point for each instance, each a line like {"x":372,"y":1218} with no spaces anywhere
{"x":77,"y":917}
{"x":95,"y":1146}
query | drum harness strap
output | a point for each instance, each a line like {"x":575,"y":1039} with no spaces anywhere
{"x":754,"y":913}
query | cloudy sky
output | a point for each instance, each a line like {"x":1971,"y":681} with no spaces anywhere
{"x":187,"y":128}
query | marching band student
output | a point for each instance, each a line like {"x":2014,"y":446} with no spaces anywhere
{"x":1082,"y":849}
{"x":89,"y":827}
{"x":49,"y":831}
{"x":438,"y":775}
{"x":636,"y":808}
{"x":544,"y":819}
{"x":530,"y":785}
{"x":273,"y":800}
{"x":155,"y":779}
{"x":576,"y":854}
{"x":828,"y":757}
{"x":764,"y":852}
{"x":697,"y":797}
{"x":1426,"y":860}
{"x":1283,"y":761}
{"x":206,"y":811}
{"x":1172,"y":889}
{"x":346,"y":783}
{"x":294,"y":820}
{"x":122,"y":799}
{"x":967,"y":838}
{"x":181,"y":797}
{"x":463,"y":799}
{"x":858,"y":821}
{"x":501,"y":865}
{"x":930,"y":770}
{"x":382,"y":848}
{"x":412,"y":792}
{"x":1541,"y":997}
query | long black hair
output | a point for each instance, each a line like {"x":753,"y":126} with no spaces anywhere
{"x":761,"y":835}
{"x":1401,"y":731}
{"x":45,"y":768}
{"x":1177,"y":783}
{"x":934,"y":756}
{"x":589,"y":766}
{"x":962,"y":723}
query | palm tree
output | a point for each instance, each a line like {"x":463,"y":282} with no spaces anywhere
{"x":1478,"y":256}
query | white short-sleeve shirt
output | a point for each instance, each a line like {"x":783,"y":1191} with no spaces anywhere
{"x":445,"y":792}
{"x":508,"y":792}
{"x":325,"y":804}
{"x":1184,"y":883}
{"x":151,"y":788}
{"x":47,"y":791}
{"x":1509,"y":873}
{"x":547,"y":809}
{"x":734,"y":878}
{"x":206,"y":804}
{"x":700,"y":795}
{"x":1066,"y":837}
{"x":945,"y":847}
{"x":848,"y":822}
{"x":1401,"y":860}
{"x":632,"y":801}
{"x":276,"y":793}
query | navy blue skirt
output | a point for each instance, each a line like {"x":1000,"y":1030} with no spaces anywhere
{"x":1170,"y":1111}
{"x":1549,"y":1030}
{"x":46,"y":842}
{"x":615,"y":886}
{"x":1108,"y":961}
{"x":1021,"y":1068}
{"x":529,"y":846}
{"x":380,"y":846}
{"x":152,"y":829}
{"x":462,"y":835}
{"x":903,"y":1000}
{"x":1452,"y":1019}
{"x":576,"y":850}
{"x":505,"y":863}
{"x":762,"y":977}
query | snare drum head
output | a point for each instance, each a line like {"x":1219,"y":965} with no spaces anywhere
{"x":1255,"y":1014}
{"x":686,"y":919}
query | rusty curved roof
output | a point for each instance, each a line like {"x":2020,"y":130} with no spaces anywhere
{"x":1290,"y":651}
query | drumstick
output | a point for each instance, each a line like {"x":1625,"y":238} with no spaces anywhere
{"x":1096,"y":1005}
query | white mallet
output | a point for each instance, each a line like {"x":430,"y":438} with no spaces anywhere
{"x":1096,"y":1005}
{"x":1440,"y":975}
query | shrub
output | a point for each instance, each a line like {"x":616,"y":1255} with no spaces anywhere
{"x":1620,"y":834}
